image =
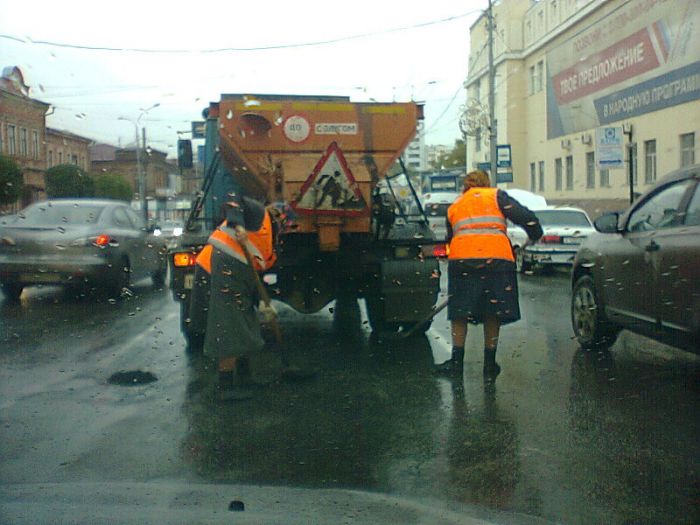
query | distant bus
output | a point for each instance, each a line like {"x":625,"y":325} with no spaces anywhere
{"x":448,"y":181}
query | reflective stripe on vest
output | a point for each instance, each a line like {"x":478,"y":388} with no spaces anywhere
{"x":259,"y":244}
{"x":204,"y":258}
{"x":478,"y":226}
{"x":478,"y":231}
{"x":476,"y":220}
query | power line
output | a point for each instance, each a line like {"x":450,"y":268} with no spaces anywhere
{"x":447,"y":108}
{"x":269,"y":47}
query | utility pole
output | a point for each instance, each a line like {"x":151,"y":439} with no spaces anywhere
{"x":493,"y":134}
{"x":144,"y":175}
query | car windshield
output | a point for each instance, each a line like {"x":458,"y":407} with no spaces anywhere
{"x":562,"y":218}
{"x":54,"y":214}
{"x":229,"y":291}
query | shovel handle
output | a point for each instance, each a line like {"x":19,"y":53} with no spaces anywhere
{"x":433,"y":312}
{"x":265,"y":297}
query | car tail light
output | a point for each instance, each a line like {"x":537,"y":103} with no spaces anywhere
{"x":184,"y":259}
{"x":551,"y":239}
{"x":440,"y":250}
{"x":102,"y":240}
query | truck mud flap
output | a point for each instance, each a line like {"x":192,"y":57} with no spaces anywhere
{"x":409,"y":289}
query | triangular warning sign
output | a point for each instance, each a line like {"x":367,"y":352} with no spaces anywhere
{"x":330,"y":189}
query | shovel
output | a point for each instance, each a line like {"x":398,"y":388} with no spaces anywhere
{"x":289,"y":373}
{"x":433,"y":312}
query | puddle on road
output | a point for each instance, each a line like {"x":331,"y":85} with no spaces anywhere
{"x":132,"y":378}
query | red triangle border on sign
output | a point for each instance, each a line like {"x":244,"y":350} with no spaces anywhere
{"x":332,"y":148}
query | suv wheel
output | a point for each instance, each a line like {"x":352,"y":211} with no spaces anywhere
{"x":591,"y":328}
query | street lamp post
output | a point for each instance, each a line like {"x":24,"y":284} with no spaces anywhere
{"x":141,"y":176}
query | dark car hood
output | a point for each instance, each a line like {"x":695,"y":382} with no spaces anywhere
{"x":183,"y":502}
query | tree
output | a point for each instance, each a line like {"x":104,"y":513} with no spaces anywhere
{"x":67,"y":180}
{"x":111,"y":186}
{"x":11,"y":180}
{"x":456,"y":158}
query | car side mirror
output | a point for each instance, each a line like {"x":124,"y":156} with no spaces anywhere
{"x":608,"y":223}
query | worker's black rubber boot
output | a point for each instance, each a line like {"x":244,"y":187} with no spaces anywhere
{"x":230,"y":389}
{"x":491,"y":367}
{"x":453,"y":366}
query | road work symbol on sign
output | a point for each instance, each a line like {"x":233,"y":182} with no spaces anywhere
{"x":331,"y":189}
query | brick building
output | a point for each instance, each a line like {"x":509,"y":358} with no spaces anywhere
{"x":23,"y":131}
{"x":63,"y":147}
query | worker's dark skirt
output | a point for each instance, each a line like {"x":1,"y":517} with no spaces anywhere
{"x":479,"y":291}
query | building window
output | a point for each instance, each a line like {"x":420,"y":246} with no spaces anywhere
{"x":540,"y":75}
{"x":60,"y":157}
{"x":533,"y":79}
{"x":649,"y":161}
{"x":558,"y":183}
{"x":590,"y":169}
{"x":23,"y":142}
{"x":477,"y":138}
{"x":554,"y":11}
{"x":605,"y":178}
{"x":50,"y":158}
{"x":687,"y":149}
{"x":11,"y":140}
{"x":569,"y":172}
{"x":541,"y":166}
{"x":533,"y":177}
{"x":477,"y":90}
{"x":35,"y":144}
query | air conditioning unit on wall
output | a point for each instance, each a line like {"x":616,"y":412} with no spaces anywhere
{"x":566,"y":144}
{"x":586,"y":138}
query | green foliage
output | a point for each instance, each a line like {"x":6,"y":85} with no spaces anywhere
{"x":112,"y":187}
{"x":67,"y":180}
{"x":456,"y":158}
{"x":11,"y":180}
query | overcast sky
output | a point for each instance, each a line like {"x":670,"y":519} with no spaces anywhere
{"x":362,"y":49}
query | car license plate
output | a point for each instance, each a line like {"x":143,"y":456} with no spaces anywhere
{"x":572,"y":240}
{"x":189,"y":281}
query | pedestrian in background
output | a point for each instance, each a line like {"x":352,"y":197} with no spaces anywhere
{"x":482,"y":278}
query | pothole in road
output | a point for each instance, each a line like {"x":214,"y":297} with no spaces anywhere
{"x":131,"y":378}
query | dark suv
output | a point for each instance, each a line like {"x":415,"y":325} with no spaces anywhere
{"x":642,"y":270}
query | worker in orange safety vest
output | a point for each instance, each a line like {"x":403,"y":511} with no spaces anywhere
{"x":232,"y":326}
{"x":482,"y":279}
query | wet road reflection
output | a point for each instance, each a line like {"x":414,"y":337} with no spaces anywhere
{"x":565,"y":435}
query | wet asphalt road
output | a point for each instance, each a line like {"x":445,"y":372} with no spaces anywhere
{"x":564,"y":435}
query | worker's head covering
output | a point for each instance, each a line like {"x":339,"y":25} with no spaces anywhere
{"x":477,"y":179}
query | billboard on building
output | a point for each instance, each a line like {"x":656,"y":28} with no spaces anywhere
{"x":642,"y":57}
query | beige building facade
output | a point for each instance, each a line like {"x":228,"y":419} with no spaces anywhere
{"x":63,"y":147}
{"x":566,"y":70}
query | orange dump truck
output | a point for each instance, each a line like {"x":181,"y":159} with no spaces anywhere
{"x":351,"y":230}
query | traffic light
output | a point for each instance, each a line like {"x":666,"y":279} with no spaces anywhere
{"x":184,"y":153}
